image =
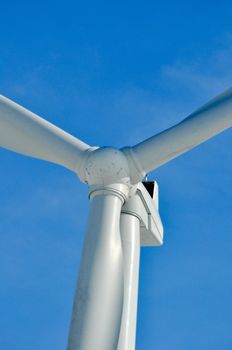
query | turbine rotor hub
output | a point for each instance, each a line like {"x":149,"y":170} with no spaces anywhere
{"x":104,"y":166}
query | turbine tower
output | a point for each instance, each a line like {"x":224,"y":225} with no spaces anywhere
{"x":124,"y":213}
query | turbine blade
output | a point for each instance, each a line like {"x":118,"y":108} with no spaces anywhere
{"x":24,"y":132}
{"x":206,"y":122}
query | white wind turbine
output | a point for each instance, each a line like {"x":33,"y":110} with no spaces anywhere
{"x":123,"y":214}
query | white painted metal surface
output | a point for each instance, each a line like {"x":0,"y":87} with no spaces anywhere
{"x":104,"y":166}
{"x":206,"y":122}
{"x":146,"y":209}
{"x":98,"y":302}
{"x":24,"y":132}
{"x":130,"y":233}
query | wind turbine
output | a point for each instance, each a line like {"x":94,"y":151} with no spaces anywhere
{"x":123,"y":214}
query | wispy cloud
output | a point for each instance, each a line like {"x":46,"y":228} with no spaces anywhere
{"x":204,"y":76}
{"x":181,"y":87}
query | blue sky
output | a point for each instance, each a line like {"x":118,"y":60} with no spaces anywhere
{"x":114,"y":73}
